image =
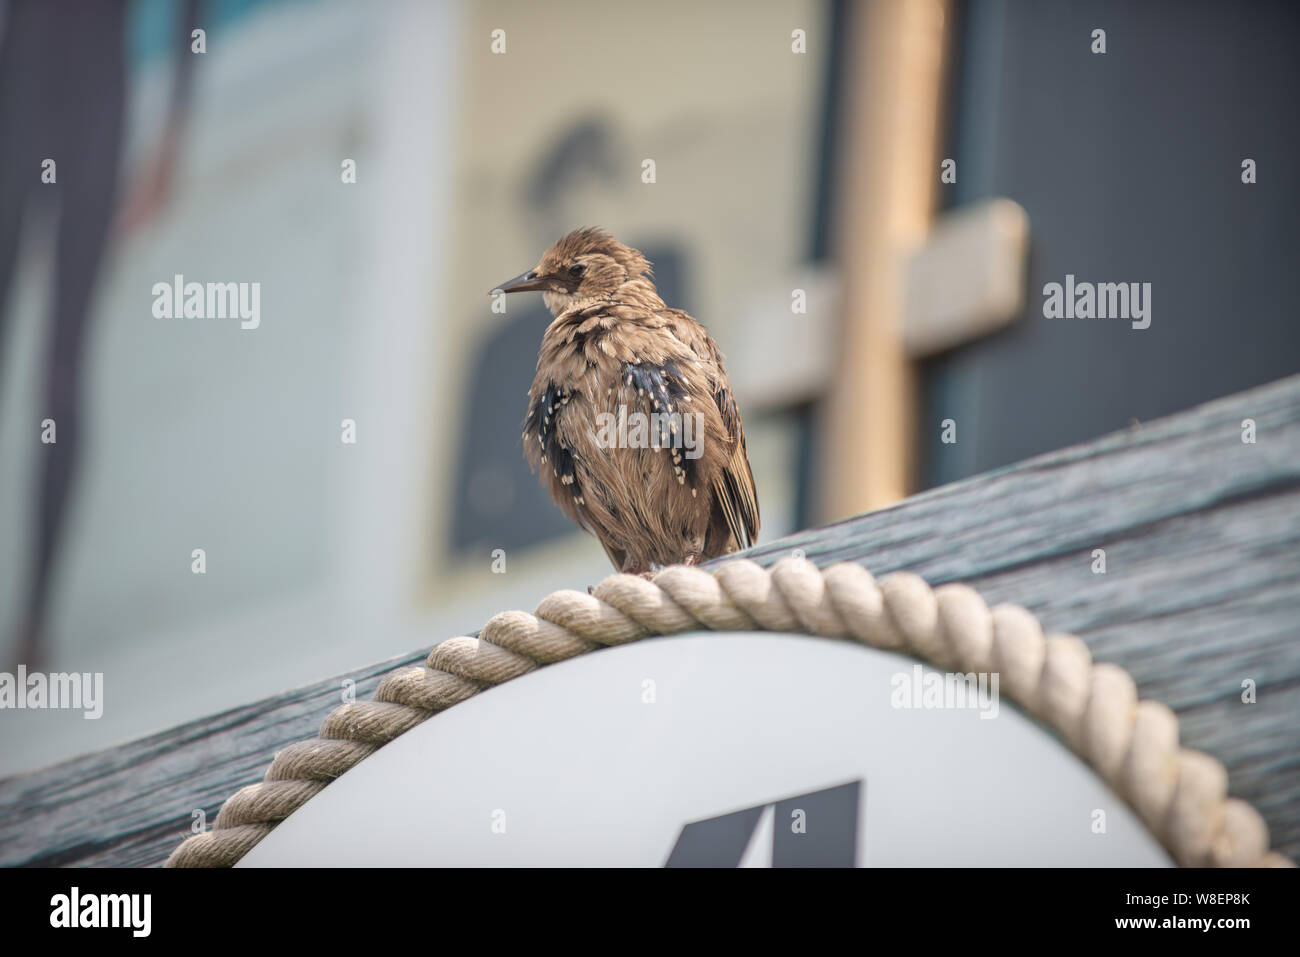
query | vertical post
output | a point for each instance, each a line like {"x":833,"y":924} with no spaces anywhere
{"x":888,"y":173}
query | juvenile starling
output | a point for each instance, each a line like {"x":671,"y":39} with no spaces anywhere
{"x":631,"y":423}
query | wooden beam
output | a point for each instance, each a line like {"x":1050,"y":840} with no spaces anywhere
{"x":968,"y":279}
{"x":1201,"y":592}
{"x":890,"y":174}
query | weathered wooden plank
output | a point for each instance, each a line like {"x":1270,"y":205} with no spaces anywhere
{"x":1202,"y":591}
{"x":130,"y":806}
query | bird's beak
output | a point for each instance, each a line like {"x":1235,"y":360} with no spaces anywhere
{"x":524,"y":282}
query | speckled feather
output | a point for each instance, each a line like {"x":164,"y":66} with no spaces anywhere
{"x":615,"y":343}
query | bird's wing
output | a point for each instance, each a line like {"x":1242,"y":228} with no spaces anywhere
{"x":546,"y":452}
{"x":733,"y":487}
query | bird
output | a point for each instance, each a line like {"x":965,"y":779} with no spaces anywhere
{"x":631,"y":423}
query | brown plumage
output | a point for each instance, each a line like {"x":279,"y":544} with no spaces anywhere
{"x":631,"y":423}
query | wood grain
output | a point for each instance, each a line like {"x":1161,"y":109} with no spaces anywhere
{"x":1201,"y":592}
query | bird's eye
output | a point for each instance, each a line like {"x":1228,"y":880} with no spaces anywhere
{"x":577,"y":270}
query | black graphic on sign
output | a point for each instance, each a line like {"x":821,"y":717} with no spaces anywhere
{"x":818,"y":829}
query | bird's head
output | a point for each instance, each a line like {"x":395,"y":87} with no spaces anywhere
{"x":586,"y":264}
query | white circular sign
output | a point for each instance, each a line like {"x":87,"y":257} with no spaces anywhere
{"x":721,"y":749}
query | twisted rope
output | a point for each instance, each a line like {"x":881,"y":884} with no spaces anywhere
{"x":1180,"y":794}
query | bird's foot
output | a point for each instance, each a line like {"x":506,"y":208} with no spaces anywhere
{"x":692,"y":559}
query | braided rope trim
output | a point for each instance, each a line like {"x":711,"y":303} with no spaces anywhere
{"x":1181,"y":795}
